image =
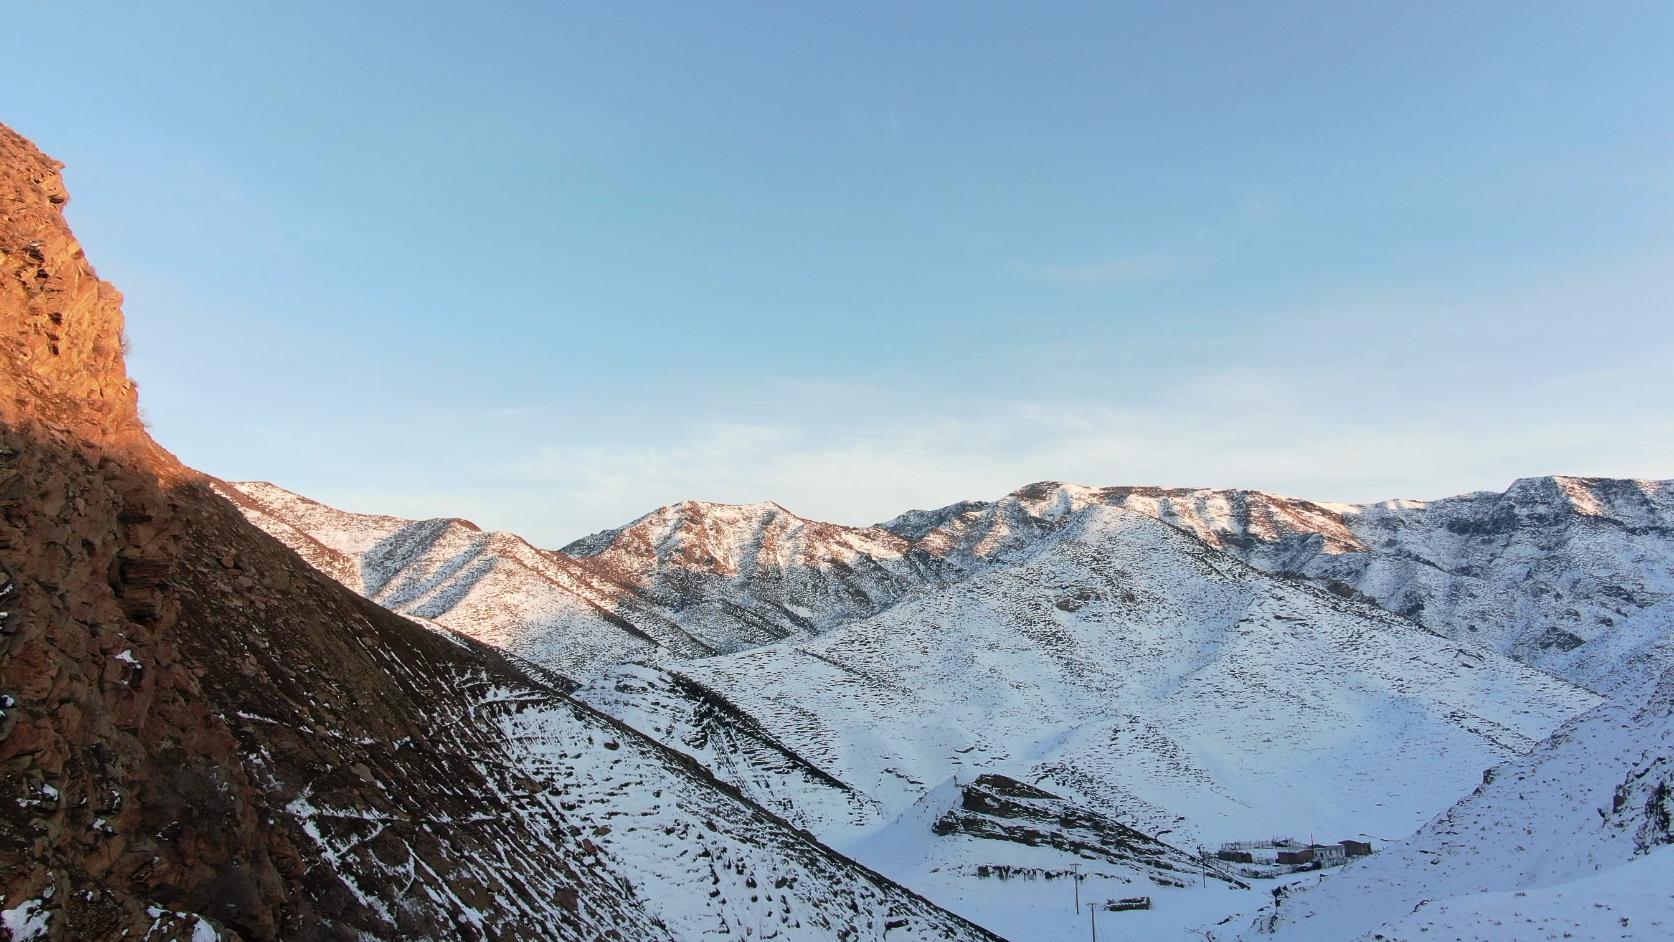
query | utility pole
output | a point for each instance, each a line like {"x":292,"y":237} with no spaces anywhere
{"x":1203,"y":865}
{"x":1075,"y":878}
{"x":1093,"y":919}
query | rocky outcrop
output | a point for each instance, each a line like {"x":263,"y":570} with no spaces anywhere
{"x":998,"y":808}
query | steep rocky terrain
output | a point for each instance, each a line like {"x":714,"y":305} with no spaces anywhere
{"x":204,"y":737}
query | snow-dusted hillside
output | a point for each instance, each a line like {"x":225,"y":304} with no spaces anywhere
{"x":331,"y":540}
{"x":1569,"y":842}
{"x":1534,"y":572}
{"x":697,"y":860}
{"x":1196,"y":666}
{"x":740,"y":576}
{"x":689,"y":580}
{"x":581,"y":827}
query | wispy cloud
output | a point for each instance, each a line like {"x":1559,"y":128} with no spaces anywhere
{"x":1118,"y":270}
{"x":861,"y":123}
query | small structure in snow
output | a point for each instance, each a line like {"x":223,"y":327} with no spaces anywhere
{"x":1328,"y":855}
{"x":1128,"y":904}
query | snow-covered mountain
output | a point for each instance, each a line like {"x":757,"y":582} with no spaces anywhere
{"x":688,"y":580}
{"x":1121,"y":662}
{"x":1536,"y":572}
{"x":1193,"y":666}
{"x":1573,"y":841}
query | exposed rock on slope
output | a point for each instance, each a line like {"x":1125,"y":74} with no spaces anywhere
{"x":996,"y":808}
{"x":201,"y":736}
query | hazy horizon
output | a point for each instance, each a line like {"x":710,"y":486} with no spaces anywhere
{"x":550,"y":270}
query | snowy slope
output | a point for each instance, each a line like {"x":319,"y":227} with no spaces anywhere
{"x":331,"y":540}
{"x":1581,"y":825}
{"x":1124,"y":664}
{"x":697,"y":859}
{"x":1623,"y":904}
{"x":1623,"y":655}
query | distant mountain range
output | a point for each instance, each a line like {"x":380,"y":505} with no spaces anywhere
{"x":1196,"y":665}
{"x":1548,"y":572}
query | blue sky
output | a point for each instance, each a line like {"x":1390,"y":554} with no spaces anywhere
{"x":549,"y":266}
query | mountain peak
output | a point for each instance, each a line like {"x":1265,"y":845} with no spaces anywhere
{"x":709,"y":508}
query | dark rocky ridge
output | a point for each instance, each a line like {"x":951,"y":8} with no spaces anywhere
{"x":996,"y":807}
